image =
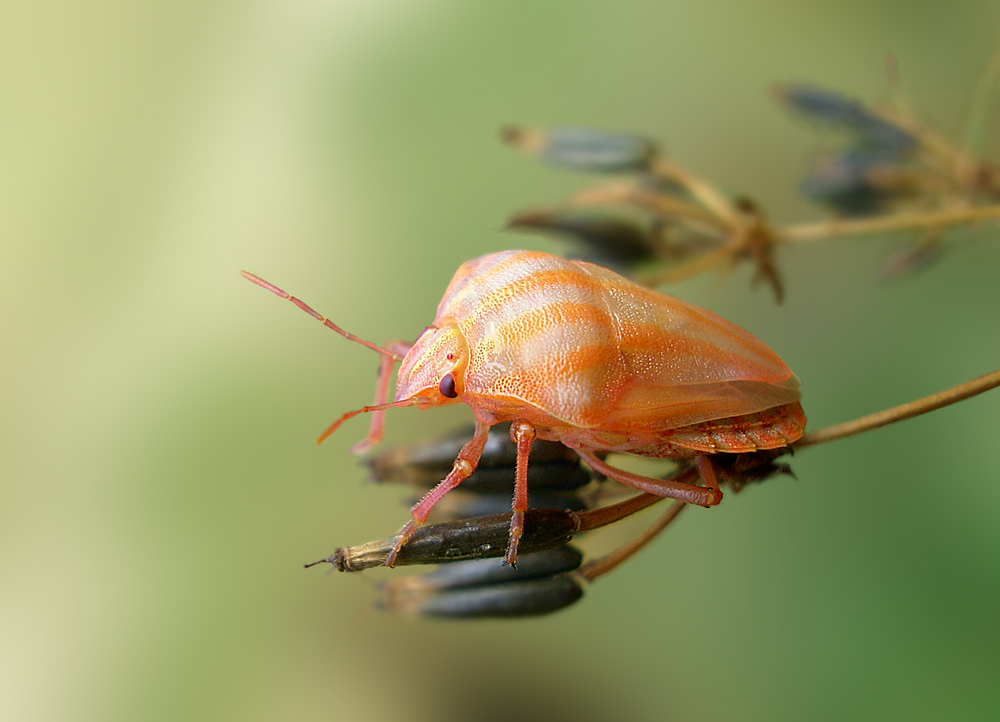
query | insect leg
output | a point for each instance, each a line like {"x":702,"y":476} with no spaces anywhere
{"x":707,"y":472}
{"x":465,"y":464}
{"x":523,"y":435}
{"x":688,"y":493}
{"x":385,"y":369}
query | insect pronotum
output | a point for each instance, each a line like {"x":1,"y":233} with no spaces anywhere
{"x":572,"y":352}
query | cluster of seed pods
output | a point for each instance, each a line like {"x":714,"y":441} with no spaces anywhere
{"x":874,"y":169}
{"x":471,"y":528}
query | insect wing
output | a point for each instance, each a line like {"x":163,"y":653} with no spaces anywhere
{"x":684,"y":364}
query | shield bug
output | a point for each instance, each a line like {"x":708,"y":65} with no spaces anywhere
{"x":572,"y":352}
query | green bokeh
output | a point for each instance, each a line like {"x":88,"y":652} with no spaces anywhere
{"x":161,"y":486}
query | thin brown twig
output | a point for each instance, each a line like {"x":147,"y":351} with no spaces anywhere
{"x":902,"y":412}
{"x":680,"y":210}
{"x":591,"y":519}
{"x":977,"y":122}
{"x":602,"y":565}
{"x":706,"y":193}
{"x":828,"y":229}
{"x":684,"y":271}
{"x":629,"y":193}
{"x":812,"y":232}
{"x":929,"y":138}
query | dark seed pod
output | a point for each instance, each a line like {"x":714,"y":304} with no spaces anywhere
{"x":483,"y":572}
{"x":852,"y":183}
{"x":514,"y":599}
{"x":560,"y":475}
{"x":582,"y":149}
{"x":873,"y":131}
{"x":462,"y":504}
{"x":605,"y":238}
{"x":544,"y":477}
{"x":479,"y":538}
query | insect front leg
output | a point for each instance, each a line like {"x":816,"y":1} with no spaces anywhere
{"x":465,"y":464}
{"x":523,"y":435}
{"x":689,"y":493}
{"x":385,"y":369}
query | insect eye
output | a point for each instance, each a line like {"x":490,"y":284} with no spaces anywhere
{"x":447,"y":387}
{"x":450,"y":356}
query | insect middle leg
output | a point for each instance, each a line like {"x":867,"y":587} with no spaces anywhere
{"x":708,"y":495}
{"x":465,"y":464}
{"x":523,"y":435}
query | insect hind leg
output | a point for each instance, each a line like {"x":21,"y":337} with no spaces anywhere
{"x":708,"y":495}
{"x":706,"y":469}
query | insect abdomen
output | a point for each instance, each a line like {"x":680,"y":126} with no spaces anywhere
{"x":770,"y":429}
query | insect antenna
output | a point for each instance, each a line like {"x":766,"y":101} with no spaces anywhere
{"x":412,"y":401}
{"x":319,"y":317}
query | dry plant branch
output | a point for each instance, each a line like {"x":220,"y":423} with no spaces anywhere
{"x":870,"y":226}
{"x":902,"y":412}
{"x":896,"y":175}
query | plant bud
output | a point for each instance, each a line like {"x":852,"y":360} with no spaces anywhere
{"x":873,"y":131}
{"x":605,"y":238}
{"x":582,"y":149}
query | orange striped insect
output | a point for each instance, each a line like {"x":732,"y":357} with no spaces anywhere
{"x":572,"y":352}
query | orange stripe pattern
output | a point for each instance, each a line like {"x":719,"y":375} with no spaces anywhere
{"x":576,"y":349}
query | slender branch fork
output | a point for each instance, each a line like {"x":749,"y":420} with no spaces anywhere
{"x":715,"y":215}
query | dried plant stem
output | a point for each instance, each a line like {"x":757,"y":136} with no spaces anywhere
{"x":829,"y":229}
{"x":978,"y":123}
{"x":929,"y":139}
{"x":688,"y":270}
{"x":667,"y":205}
{"x":670,"y":206}
{"x":602,"y":565}
{"x":902,"y":412}
{"x":706,"y":193}
{"x":937,"y":221}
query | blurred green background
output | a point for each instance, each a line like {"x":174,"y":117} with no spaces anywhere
{"x":161,"y":484}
